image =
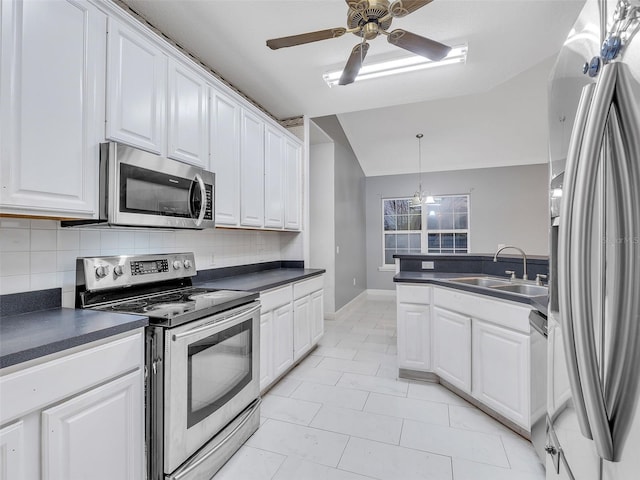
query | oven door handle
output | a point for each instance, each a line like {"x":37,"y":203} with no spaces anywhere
{"x":221,"y":323}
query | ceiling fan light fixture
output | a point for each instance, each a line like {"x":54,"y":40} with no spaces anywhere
{"x":458,"y":54}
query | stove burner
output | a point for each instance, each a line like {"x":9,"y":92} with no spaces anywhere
{"x":168,"y":297}
{"x":129,"y":306}
{"x":169,"y":309}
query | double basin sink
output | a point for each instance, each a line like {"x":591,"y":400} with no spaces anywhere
{"x":505,"y":285}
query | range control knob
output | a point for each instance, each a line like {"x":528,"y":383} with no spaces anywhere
{"x":176,"y":265}
{"x":118,"y":270}
{"x":102,"y":271}
{"x":187,"y":264}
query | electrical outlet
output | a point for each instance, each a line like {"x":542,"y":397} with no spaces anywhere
{"x":428,"y":265}
{"x":337,"y":249}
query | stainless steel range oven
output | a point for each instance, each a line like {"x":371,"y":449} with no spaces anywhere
{"x":202,"y":351}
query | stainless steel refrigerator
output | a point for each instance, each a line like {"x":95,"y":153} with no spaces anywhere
{"x":593,"y":352}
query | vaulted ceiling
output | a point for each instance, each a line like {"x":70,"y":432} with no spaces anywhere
{"x":511,"y":48}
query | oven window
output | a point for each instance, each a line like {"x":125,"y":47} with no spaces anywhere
{"x":219,"y":366}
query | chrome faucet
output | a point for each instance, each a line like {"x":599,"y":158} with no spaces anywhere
{"x":524,"y":259}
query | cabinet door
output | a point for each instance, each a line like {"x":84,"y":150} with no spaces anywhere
{"x":51,"y":104}
{"x":451,"y":345}
{"x":188,"y":116}
{"x":98,"y":434}
{"x":12,"y":449}
{"x":301,"y":327}
{"x":501,"y":370}
{"x":273,"y":178}
{"x":292,"y":185}
{"x":317,"y":316}
{"x":414,"y":330}
{"x":251,"y":170}
{"x":282,"y":339}
{"x":225,"y":157}
{"x":136,"y":89}
{"x":266,"y":349}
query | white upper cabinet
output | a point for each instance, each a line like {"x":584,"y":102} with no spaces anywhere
{"x":225,"y":157}
{"x":251,"y":170}
{"x":273,"y":178}
{"x":188,"y":116}
{"x":292,"y":184}
{"x":136,"y":89}
{"x":51,"y":107}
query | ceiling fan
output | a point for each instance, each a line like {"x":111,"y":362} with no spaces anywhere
{"x":368,"y":19}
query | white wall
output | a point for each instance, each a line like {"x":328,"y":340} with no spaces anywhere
{"x":508,"y":205}
{"x":321,"y":222}
{"x":39,"y":254}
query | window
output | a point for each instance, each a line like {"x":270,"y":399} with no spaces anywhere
{"x":440,"y":227}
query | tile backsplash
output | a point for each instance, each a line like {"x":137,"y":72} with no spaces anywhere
{"x":39,"y":254}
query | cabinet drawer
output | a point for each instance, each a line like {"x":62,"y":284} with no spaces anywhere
{"x":414,"y":294}
{"x":499,"y":312}
{"x":306,"y":287}
{"x":272,"y":299}
{"x":36,"y":387}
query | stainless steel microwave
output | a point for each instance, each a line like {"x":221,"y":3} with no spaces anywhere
{"x":141,"y":189}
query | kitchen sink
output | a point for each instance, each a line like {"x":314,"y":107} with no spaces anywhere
{"x":482,"y":281}
{"x":523,"y":289}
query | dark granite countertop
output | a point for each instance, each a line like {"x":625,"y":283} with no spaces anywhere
{"x":32,"y":335}
{"x":260,"y":281}
{"x":444,"y":279}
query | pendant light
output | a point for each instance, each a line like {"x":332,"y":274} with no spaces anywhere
{"x":421,"y":197}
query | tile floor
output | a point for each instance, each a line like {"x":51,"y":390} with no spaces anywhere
{"x":343,"y":414}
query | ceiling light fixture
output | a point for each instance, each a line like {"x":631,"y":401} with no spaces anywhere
{"x":458,"y":54}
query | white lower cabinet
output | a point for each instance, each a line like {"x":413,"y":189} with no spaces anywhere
{"x":12,"y":450}
{"x":96,"y":434}
{"x":414,"y":327}
{"x":451,"y":347}
{"x":266,"y":349}
{"x":77,"y":416}
{"x":317,"y":316}
{"x":478,"y":344}
{"x":501,"y":370}
{"x":301,"y":327}
{"x":282,"y":340}
{"x":291,"y":324}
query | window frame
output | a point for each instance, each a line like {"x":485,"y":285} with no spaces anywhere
{"x":425,"y":231}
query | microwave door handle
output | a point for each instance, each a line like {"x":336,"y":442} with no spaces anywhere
{"x":203,"y":203}
{"x":623,"y":385}
{"x":222,"y":323}
{"x":564,"y":259}
{"x":581,"y":261}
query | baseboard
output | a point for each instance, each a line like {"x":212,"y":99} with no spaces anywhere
{"x":380,"y":293}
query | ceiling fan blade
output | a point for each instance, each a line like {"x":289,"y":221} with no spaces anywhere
{"x":358,"y":5}
{"x":419,"y":45}
{"x":352,"y":68}
{"x":402,"y":8}
{"x":303,"y":38}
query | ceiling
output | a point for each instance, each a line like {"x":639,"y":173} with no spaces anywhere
{"x":506,"y":39}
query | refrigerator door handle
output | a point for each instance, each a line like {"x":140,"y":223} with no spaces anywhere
{"x":581,"y":261}
{"x":623,"y":381}
{"x":564,"y":259}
